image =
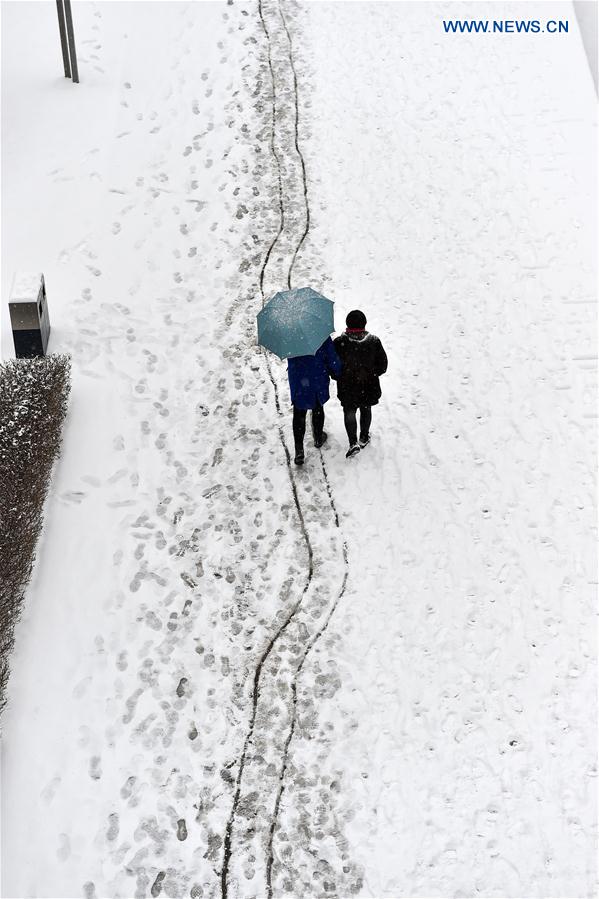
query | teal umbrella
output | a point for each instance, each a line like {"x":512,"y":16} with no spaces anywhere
{"x":295,"y":322}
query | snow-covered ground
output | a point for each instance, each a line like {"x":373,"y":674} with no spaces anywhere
{"x":373,"y":677}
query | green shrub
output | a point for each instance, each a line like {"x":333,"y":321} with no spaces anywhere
{"x":33,"y":404}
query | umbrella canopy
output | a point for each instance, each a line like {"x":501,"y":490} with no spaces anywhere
{"x":295,"y":322}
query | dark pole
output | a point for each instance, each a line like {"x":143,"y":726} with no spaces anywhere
{"x":71,"y":35}
{"x":63,"y":39}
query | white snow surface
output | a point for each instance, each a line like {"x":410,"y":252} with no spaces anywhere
{"x":26,"y":286}
{"x":444,"y":742}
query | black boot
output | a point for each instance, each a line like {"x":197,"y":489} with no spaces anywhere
{"x":299,"y":429}
{"x":365,"y":420}
{"x":318,"y":426}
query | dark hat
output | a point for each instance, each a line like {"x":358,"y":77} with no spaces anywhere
{"x":355,"y":319}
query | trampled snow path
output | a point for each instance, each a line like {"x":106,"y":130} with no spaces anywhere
{"x":260,"y":792}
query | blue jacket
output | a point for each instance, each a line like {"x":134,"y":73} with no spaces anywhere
{"x":309,"y":376}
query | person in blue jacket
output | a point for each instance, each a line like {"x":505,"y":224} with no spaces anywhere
{"x":309,"y":386}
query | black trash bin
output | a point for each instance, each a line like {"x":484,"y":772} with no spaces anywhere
{"x":29,"y":315}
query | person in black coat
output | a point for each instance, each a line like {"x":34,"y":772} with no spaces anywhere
{"x":364,"y":360}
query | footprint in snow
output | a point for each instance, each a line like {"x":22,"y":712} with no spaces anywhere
{"x":157,"y":885}
{"x":113,"y":827}
{"x":49,"y":791}
{"x":74,"y":496}
{"x":199,"y":204}
{"x":128,"y":787}
{"x":64,"y":849}
{"x":153,"y":621}
{"x":81,"y":688}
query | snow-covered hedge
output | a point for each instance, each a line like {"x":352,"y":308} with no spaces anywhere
{"x":33,"y":405}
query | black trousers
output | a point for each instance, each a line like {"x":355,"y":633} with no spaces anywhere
{"x":349,"y":417}
{"x":299,"y":425}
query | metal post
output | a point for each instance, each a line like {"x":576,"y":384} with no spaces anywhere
{"x":63,"y":39}
{"x":71,"y":36}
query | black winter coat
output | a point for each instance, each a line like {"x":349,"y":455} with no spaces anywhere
{"x":364,"y":359}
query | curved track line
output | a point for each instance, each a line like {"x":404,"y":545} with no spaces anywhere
{"x":319,"y":633}
{"x":312,"y":642}
{"x":297,"y":147}
{"x":274,"y":153}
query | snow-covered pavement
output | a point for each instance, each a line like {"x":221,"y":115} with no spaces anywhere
{"x":451,"y":183}
{"x":376,"y":677}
